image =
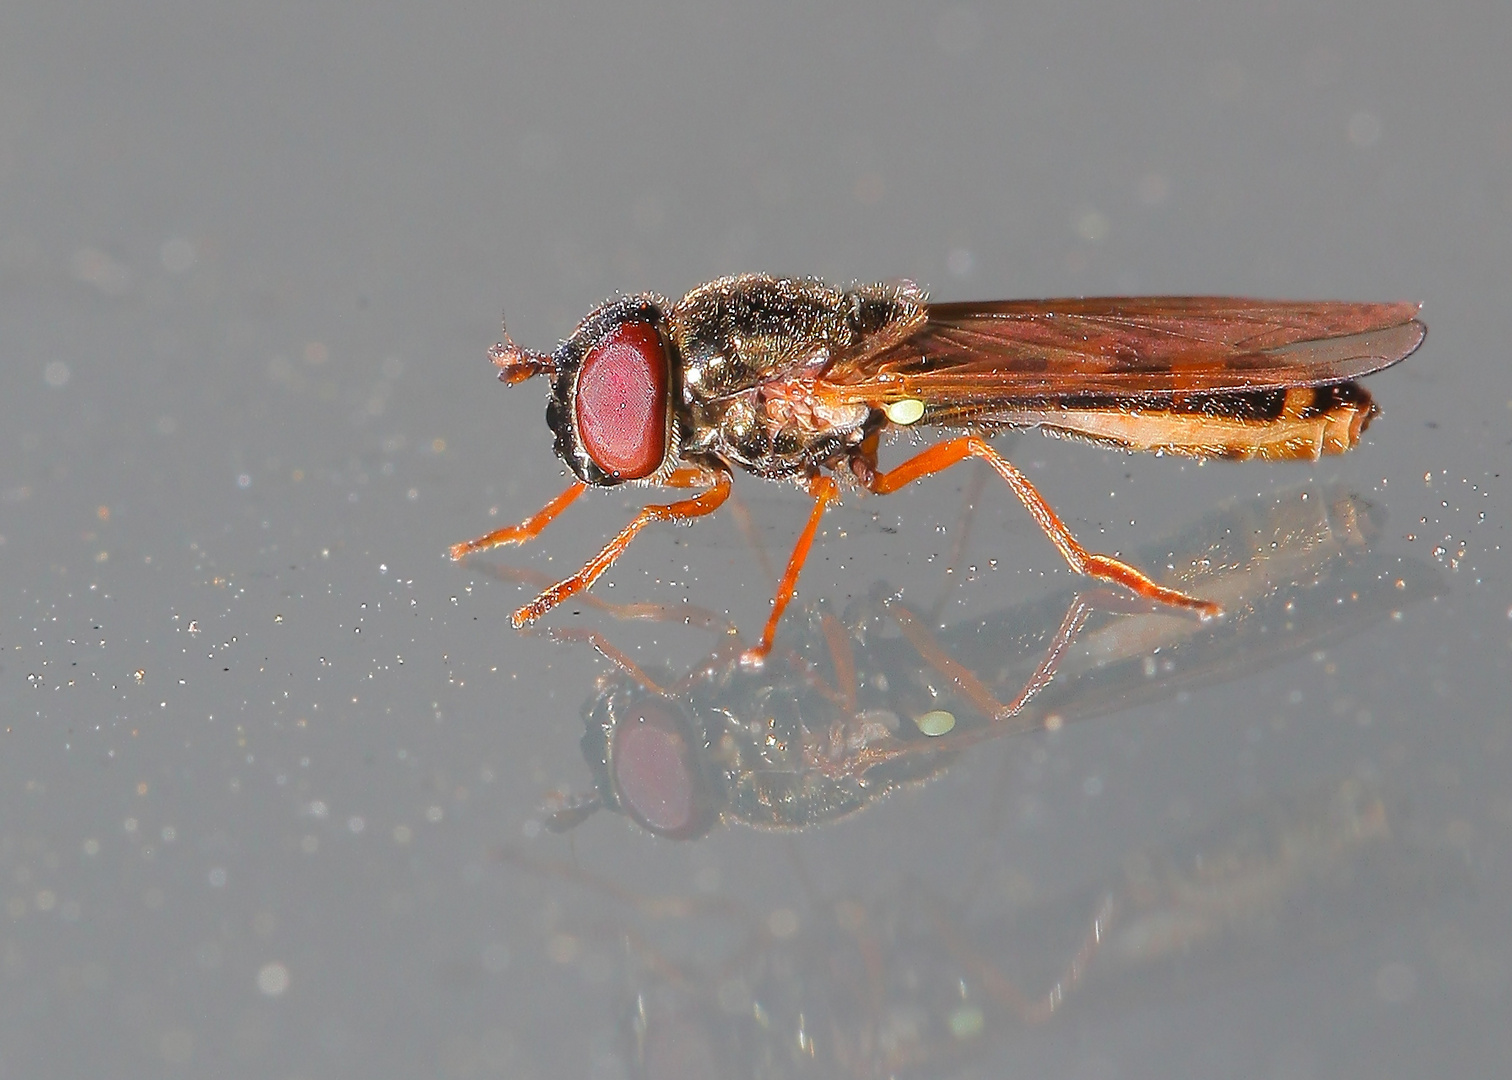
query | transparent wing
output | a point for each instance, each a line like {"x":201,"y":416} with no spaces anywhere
{"x":974,"y":355}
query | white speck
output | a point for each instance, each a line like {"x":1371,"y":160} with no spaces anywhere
{"x":57,"y":374}
{"x":356,"y":824}
{"x":273,"y":979}
{"x":243,"y":481}
{"x":217,"y":877}
{"x":433,"y":814}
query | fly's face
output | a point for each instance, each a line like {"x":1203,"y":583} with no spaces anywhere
{"x":611,"y":404}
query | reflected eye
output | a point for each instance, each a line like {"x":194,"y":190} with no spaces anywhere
{"x":622,"y":401}
{"x":655,"y":773}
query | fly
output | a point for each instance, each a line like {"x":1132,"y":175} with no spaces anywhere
{"x":792,"y":379}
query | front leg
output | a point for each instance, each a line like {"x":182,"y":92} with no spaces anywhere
{"x":534,"y":525}
{"x":700,"y":505}
{"x":528,"y":529}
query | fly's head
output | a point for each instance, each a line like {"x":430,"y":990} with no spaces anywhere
{"x":613,"y":385}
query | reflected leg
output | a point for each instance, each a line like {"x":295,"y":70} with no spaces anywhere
{"x":635,"y":610}
{"x":838,"y":758}
{"x":961,"y":532}
{"x":1004,"y":991}
{"x":977,"y":692}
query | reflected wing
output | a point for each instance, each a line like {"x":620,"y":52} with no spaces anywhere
{"x":969,"y":357}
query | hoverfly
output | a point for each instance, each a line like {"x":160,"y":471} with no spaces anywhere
{"x":793,"y":379}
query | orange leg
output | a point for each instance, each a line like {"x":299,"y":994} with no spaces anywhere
{"x":687,"y":476}
{"x":528,"y":529}
{"x":532,"y":526}
{"x":704,"y":503}
{"x":825,"y":491}
{"x":945,"y":454}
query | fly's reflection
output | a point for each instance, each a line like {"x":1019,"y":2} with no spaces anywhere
{"x":850,"y":709}
{"x":907,"y":982}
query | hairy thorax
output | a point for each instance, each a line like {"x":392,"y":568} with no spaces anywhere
{"x":754,"y":349}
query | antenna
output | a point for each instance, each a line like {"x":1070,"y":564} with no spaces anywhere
{"x":516,"y":364}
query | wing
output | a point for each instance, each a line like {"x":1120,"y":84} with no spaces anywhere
{"x":967,"y":358}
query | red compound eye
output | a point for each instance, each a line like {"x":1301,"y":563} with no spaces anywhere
{"x":653,"y":771}
{"x":622,"y":401}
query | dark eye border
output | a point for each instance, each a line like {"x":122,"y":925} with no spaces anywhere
{"x":561,"y":411}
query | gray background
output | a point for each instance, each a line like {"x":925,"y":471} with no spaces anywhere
{"x":261,"y":741}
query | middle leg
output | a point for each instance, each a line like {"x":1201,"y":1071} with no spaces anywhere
{"x":825,"y":491}
{"x":705,"y":502}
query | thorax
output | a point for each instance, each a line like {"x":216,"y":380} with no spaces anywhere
{"x":751,"y":350}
